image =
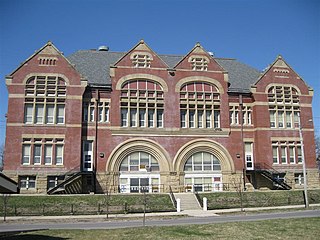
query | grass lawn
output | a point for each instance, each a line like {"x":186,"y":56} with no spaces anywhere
{"x":304,"y":228}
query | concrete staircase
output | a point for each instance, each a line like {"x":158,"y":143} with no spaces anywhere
{"x":188,"y":201}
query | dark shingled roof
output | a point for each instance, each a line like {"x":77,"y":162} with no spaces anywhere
{"x":95,"y":67}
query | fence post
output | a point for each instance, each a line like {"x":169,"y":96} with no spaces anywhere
{"x":71,"y":209}
{"x":178,"y":205}
{"x":205,"y":204}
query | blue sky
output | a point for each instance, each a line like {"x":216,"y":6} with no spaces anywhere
{"x":252,"y":31}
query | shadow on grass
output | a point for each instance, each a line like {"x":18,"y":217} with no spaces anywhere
{"x":21,"y":235}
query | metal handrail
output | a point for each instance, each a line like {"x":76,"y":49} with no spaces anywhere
{"x":173,"y":199}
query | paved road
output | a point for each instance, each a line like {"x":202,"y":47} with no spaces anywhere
{"x":12,"y":227}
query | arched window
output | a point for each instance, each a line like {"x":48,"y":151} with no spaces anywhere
{"x":203,"y":173}
{"x":199,"y":105}
{"x":45,"y":100}
{"x":139,"y":162}
{"x":283,"y":106}
{"x":142,"y":104}
{"x":139,"y":172}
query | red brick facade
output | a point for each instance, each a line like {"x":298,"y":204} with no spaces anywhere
{"x":155,"y":123}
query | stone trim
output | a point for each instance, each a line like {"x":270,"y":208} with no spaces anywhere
{"x":138,"y":144}
{"x":129,"y":77}
{"x":199,"y":79}
{"x":204,"y":145}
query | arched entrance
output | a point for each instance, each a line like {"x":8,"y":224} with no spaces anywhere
{"x":139,"y":164}
{"x":203,"y":163}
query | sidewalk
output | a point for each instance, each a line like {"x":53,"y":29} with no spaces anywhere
{"x":185,"y":213}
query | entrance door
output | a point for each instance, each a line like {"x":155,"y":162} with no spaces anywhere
{"x":87,"y":156}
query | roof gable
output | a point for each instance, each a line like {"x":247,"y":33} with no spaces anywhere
{"x":198,"y":53}
{"x":279,"y":69}
{"x":47,"y":55}
{"x":139,"y":55}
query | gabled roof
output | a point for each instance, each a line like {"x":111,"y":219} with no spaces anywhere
{"x":95,"y":66}
{"x":48,"y":48}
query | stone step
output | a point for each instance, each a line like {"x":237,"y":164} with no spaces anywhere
{"x":188,"y":201}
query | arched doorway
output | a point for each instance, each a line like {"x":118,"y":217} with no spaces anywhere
{"x":139,"y":172}
{"x":203,"y":173}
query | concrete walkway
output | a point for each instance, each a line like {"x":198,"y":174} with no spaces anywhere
{"x":191,"y":213}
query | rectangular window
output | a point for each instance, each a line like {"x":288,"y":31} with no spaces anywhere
{"x":60,"y":114}
{"x":28,"y":113}
{"x":151,"y":118}
{"x":100,"y":110}
{"x":124,"y":117}
{"x":280,"y":119}
{"x":142,"y":117}
{"x":39,"y":113}
{"x":106,"y":112}
{"x":26,"y":154}
{"x":208,"y":118}
{"x":275,"y":154}
{"x":284,"y":155}
{"x":183,"y":116}
{"x":191,"y":118}
{"x":59,"y":154}
{"x":27,"y":182}
{"x":133,"y":117}
{"x":49,"y":114}
{"x":48,"y":154}
{"x":200,"y":118}
{"x":249,"y":155}
{"x":216,"y":118}
{"x":298,"y":179}
{"x":292,"y":154}
{"x":91,"y":109}
{"x":299,"y":154}
{"x":289,"y":119}
{"x":37,"y":154}
{"x":159,"y":118}
{"x":272,"y":119}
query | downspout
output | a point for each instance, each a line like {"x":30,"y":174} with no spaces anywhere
{"x":242,"y":143}
{"x":96,"y":141}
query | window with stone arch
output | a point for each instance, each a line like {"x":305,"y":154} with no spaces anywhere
{"x":142,"y":104}
{"x":283,"y":106}
{"x":139,"y":172}
{"x":199,"y":105}
{"x":203,"y":173}
{"x":45,"y":98}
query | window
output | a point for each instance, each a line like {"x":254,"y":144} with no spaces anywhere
{"x":53,"y":181}
{"x":44,"y":100}
{"x":37,"y":154}
{"x":41,"y":151}
{"x":59,"y":154}
{"x":199,"y":63}
{"x":235,"y":111}
{"x":141,"y":60}
{"x":103,"y":111}
{"x":203,"y":173}
{"x":283,"y":106}
{"x":60,"y":114}
{"x":26,"y":154}
{"x":139,"y":162}
{"x":299,"y":154}
{"x":27,"y":182}
{"x":298,"y":179}
{"x":283,"y":155}
{"x":249,"y":155}
{"x":48,"y":154}
{"x":202,"y":161}
{"x":199,"y":106}
{"x":142,"y":104}
{"x":275,"y":154}
{"x":289,"y":152}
